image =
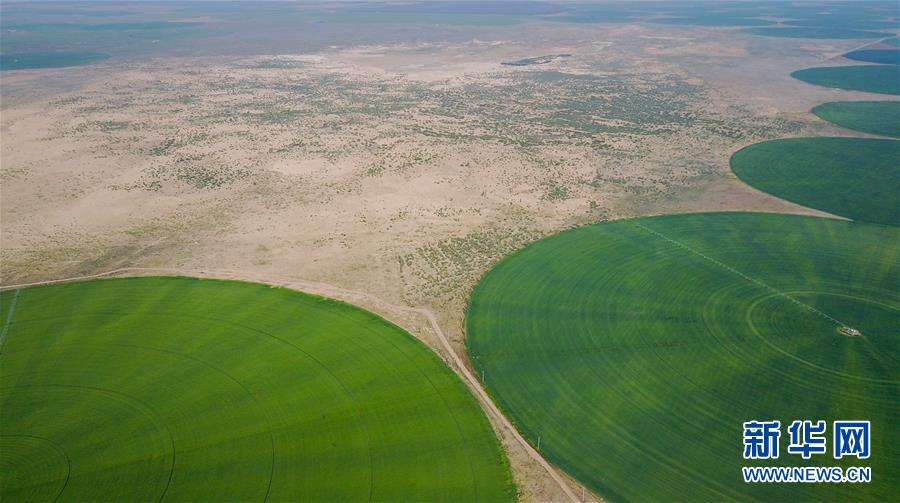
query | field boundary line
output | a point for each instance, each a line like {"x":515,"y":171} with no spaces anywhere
{"x":482,"y":394}
{"x":741,"y":274}
{"x":343,"y":294}
{"x":9,"y":315}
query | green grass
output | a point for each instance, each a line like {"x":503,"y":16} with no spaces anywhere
{"x":857,"y":178}
{"x":873,"y":117}
{"x":884,"y":56}
{"x":823,"y":32}
{"x":635,"y":359}
{"x":198,"y":390}
{"x":31,"y":60}
{"x":881,"y":79}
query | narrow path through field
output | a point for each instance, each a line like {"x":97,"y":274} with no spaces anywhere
{"x":327,"y":290}
{"x":841,"y":54}
{"x":9,"y":315}
{"x":741,"y":274}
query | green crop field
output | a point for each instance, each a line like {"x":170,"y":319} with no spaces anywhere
{"x":197,"y":390}
{"x":27,"y":61}
{"x":873,"y":117}
{"x":830,"y":32}
{"x":855,"y":178}
{"x":882,"y":79}
{"x":632,"y":351}
{"x":885,"y":56}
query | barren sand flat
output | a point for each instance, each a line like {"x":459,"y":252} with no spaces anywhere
{"x":400,"y":170}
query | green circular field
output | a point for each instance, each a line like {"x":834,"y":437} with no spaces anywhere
{"x":873,"y":117}
{"x":150,"y":389}
{"x":881,"y":56}
{"x":31,"y":60}
{"x":632,"y":351}
{"x":857,"y":178}
{"x":881,"y":79}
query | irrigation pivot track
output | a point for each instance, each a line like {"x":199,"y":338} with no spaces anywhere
{"x":739,"y":273}
{"x":9,"y":315}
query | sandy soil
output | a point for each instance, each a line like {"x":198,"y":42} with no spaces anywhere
{"x":402,"y":171}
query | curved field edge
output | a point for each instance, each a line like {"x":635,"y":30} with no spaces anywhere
{"x":872,"y":117}
{"x":815,"y":32}
{"x":528,"y":401}
{"x":856,"y":178}
{"x":880,"y":56}
{"x":426,"y":434}
{"x":879,"y":79}
{"x":38,"y":60}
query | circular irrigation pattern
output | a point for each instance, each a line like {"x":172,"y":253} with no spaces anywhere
{"x":184,"y":389}
{"x":856,"y":178}
{"x":632,"y":351}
